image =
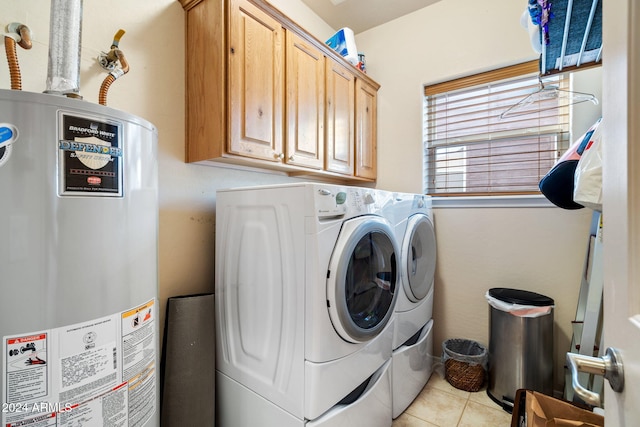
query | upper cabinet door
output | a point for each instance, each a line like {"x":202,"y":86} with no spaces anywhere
{"x":206,"y":81}
{"x":340,"y":119}
{"x":305,"y":103}
{"x":256,"y":83}
{"x":366,"y":130}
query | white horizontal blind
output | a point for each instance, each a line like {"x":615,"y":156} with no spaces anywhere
{"x":470,"y":150}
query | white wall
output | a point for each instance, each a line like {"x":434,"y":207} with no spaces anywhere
{"x":539,"y":249}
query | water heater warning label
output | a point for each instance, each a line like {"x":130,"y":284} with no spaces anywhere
{"x":101,"y":372}
{"x":27,"y":370}
{"x":90,"y":156}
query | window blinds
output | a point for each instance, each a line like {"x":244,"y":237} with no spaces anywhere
{"x":470,"y":150}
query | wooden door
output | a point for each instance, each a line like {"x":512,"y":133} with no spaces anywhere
{"x":340,"y":107}
{"x":366,"y":130}
{"x":305,"y":103}
{"x":256,"y":83}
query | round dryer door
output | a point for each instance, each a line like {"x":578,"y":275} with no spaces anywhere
{"x":418,"y":257}
{"x":362,"y":278}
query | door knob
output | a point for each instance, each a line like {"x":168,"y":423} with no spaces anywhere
{"x":609,"y":366}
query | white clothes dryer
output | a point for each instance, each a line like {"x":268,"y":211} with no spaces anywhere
{"x":306,"y":278}
{"x":412,"y":362}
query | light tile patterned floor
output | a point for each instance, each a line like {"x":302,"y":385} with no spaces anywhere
{"x":442,"y":405}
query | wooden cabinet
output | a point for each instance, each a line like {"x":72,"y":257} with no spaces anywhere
{"x":256,"y":83}
{"x":262,"y":92}
{"x":340,"y":141}
{"x":305,"y":103}
{"x":206,"y":100}
{"x":366,"y":130}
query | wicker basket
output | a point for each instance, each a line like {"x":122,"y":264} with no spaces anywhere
{"x":464,"y":363}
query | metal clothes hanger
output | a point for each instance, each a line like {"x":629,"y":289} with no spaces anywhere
{"x":545,"y":93}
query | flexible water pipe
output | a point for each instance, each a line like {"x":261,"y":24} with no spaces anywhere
{"x":109,"y":61}
{"x":113,"y":75}
{"x":16,"y":34}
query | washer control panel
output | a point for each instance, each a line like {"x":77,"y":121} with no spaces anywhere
{"x":333,"y":201}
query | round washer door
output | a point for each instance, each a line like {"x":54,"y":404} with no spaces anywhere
{"x":418,"y":257}
{"x":363,"y":272}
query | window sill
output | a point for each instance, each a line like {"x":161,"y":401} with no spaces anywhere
{"x":528,"y":201}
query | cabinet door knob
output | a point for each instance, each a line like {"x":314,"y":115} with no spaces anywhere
{"x":279,"y":156}
{"x":291,"y":158}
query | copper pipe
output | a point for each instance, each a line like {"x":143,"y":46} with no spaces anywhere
{"x":104,"y":88}
{"x":20,"y":34}
{"x":25,"y":36}
{"x":113,"y":56}
{"x":12,"y":59}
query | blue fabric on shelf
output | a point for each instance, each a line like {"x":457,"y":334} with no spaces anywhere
{"x":535,"y":11}
{"x":579,"y":18}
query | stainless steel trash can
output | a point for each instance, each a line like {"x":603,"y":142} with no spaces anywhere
{"x":520,"y":344}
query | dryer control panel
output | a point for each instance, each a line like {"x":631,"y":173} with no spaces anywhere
{"x":333,"y":201}
{"x":330,"y":202}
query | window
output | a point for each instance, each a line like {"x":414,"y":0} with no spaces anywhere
{"x":474,"y":147}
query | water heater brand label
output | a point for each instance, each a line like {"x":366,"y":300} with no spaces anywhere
{"x":96,"y":373}
{"x":8,"y":134}
{"x":90,"y":156}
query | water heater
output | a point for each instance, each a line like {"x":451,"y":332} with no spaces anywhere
{"x":78,"y":264}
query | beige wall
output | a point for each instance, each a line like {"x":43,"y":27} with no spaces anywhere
{"x":539,"y":249}
{"x":536,"y":249}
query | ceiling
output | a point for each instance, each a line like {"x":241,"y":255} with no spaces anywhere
{"x":361,"y":15}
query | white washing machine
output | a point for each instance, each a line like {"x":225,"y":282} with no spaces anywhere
{"x":306,"y":278}
{"x":412,"y":361}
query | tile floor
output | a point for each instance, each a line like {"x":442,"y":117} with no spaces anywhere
{"x":442,"y":405}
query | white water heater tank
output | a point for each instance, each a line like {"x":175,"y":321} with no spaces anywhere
{"x":78,"y":264}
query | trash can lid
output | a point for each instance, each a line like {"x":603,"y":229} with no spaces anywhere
{"x":518,"y":296}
